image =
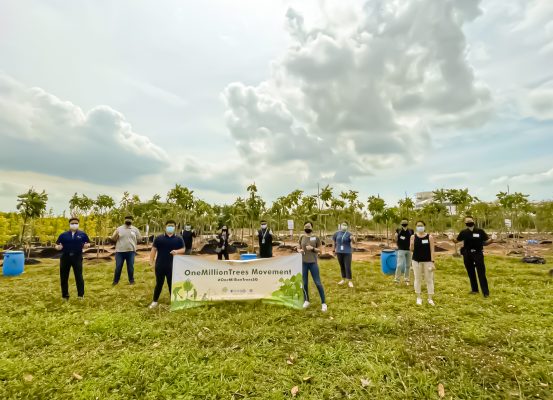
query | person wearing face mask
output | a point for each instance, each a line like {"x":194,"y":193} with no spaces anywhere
{"x":126,"y":239}
{"x":222,"y":247}
{"x":422,"y":246}
{"x":403,"y":240}
{"x":343,"y":240}
{"x":309,"y":246}
{"x":265,"y":238}
{"x":163,"y":249}
{"x":188,"y":236}
{"x":474,"y":239}
{"x":72,"y":243}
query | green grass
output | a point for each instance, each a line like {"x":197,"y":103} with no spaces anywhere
{"x":499,"y":347}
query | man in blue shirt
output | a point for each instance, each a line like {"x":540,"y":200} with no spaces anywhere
{"x":71,"y":243}
{"x":163,"y":249}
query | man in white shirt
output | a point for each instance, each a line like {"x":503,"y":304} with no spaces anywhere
{"x":126,"y":238}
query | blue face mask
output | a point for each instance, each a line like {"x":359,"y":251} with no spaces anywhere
{"x":170,"y":229}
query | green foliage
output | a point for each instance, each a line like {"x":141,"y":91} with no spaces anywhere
{"x":290,"y":292}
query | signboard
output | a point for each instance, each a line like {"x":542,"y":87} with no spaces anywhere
{"x":198,"y":281}
{"x":291,"y":224}
{"x":508,"y":223}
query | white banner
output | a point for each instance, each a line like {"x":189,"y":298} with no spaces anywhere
{"x":198,"y":281}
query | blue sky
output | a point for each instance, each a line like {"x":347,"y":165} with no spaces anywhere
{"x":387,"y":97}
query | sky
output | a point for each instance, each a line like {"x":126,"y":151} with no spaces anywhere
{"x":387,"y":97}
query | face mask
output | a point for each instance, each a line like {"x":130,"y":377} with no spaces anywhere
{"x":420,"y":229}
{"x":404,"y":225}
{"x":470,"y":224}
{"x":187,"y":228}
{"x":74,"y":227}
{"x":307,"y":230}
{"x":128,"y":223}
{"x":344,"y":228}
{"x":224,"y":230}
{"x":170,"y":229}
{"x":264,"y":226}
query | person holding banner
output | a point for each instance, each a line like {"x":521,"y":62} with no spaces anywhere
{"x":422,"y":246}
{"x":265,"y":237}
{"x":163,"y":249}
{"x":343,"y":240}
{"x":222,"y":246}
{"x":474,"y":239}
{"x":310,"y":246}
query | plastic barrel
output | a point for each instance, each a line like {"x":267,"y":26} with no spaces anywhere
{"x":248,"y":256}
{"x":388,"y":259}
{"x":14,"y":263}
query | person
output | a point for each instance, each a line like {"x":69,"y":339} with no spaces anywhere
{"x":309,"y":246}
{"x":265,"y":238}
{"x":343,"y":240}
{"x":222,"y":246}
{"x":165,"y":246}
{"x":188,"y":235}
{"x":474,"y":239}
{"x":403,"y":240}
{"x":126,"y":239}
{"x":422,"y":246}
{"x":72,"y":243}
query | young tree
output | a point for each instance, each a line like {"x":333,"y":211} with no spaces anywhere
{"x":376,"y":207}
{"x":30,"y":205}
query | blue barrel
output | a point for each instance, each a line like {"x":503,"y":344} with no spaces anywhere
{"x":388,"y":259}
{"x":248,"y":256}
{"x":14,"y":262}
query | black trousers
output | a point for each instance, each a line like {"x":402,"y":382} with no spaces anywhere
{"x":221,"y":254}
{"x":66,"y":262}
{"x":163,"y":273}
{"x":345,"y":264}
{"x":474,"y":264}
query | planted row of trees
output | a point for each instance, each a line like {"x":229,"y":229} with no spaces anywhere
{"x":326,"y":208}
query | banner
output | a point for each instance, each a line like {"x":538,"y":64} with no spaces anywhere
{"x":198,"y":281}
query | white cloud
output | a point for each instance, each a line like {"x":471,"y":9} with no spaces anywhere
{"x":449,"y":177}
{"x":346,"y":99}
{"x":45,"y":134}
{"x":535,"y":178}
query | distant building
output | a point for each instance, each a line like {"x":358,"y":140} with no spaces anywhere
{"x":424,"y":198}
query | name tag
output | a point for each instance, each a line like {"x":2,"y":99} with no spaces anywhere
{"x":402,"y":237}
{"x":425,"y":241}
{"x":313,"y":239}
{"x":476,"y":235}
{"x":342,"y":248}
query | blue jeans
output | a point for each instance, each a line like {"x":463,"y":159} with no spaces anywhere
{"x":403,"y":265}
{"x":314,"y":268}
{"x":120,"y":258}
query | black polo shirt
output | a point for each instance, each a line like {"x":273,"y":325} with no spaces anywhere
{"x":73,"y":243}
{"x":165,"y":244}
{"x":473,"y":240}
{"x":188,"y":236}
{"x":404,"y":238}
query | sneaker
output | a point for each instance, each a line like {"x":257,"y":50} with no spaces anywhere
{"x":486,"y":296}
{"x":114,"y":283}
{"x":153,"y":305}
{"x":407,"y":283}
{"x":81,"y":298}
{"x":65,"y":299}
{"x":419,"y":302}
{"x":341,"y":282}
{"x":305,"y":304}
{"x":324,"y":307}
{"x":473,"y":292}
{"x":131,"y":283}
{"x":396,"y":281}
{"x":431,"y":302}
{"x":350,"y":284}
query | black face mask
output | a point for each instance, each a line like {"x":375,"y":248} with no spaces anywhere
{"x":128,"y":223}
{"x":307,"y":230}
{"x":404,"y":225}
{"x":470,"y":224}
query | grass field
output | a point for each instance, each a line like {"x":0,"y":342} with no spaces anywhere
{"x":373,"y":343}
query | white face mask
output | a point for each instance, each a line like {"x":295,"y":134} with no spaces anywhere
{"x":264,"y":226}
{"x":344,"y":228}
{"x":187,"y":228}
{"x":170,"y":229}
{"x":74,"y":227}
{"x":420,"y":229}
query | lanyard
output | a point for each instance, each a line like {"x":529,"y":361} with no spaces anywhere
{"x":266,"y":230}
{"x":342,"y":238}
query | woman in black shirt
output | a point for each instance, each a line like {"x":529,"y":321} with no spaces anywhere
{"x":422,"y":246}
